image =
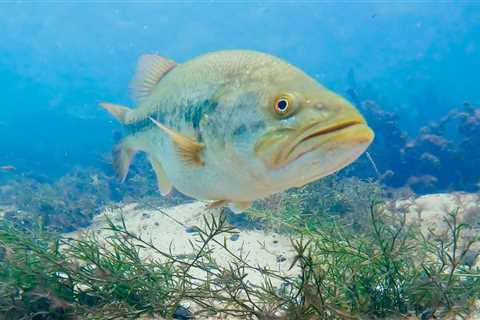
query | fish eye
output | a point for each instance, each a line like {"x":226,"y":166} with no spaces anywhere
{"x":281,"y":105}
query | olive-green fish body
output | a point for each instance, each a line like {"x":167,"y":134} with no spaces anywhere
{"x":236,"y":126}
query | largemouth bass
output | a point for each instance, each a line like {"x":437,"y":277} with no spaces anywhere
{"x":236,"y":126}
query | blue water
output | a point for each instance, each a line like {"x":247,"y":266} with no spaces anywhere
{"x":58,"y":60}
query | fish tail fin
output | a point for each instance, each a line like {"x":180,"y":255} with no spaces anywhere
{"x":118,"y":111}
{"x":124,"y":151}
{"x":123,"y":154}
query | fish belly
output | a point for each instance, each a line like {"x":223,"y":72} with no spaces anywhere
{"x":216,"y":180}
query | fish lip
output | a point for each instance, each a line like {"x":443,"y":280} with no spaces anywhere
{"x":313,"y":131}
{"x":332,"y":128}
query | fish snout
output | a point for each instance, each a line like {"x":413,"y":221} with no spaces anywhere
{"x":325,"y":125}
{"x":347,"y":128}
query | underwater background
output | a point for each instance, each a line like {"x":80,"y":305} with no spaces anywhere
{"x":418,"y":60}
{"x":395,"y":235}
{"x":411,"y":68}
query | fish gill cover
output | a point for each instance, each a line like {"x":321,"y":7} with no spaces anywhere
{"x":410,"y":69}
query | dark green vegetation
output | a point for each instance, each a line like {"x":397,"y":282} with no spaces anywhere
{"x":364,"y":264}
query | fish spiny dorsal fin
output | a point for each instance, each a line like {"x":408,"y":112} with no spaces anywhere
{"x":151,"y":68}
{"x":189,"y":150}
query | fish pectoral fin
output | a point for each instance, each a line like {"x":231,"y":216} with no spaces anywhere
{"x":189,"y":150}
{"x":150,"y":69}
{"x":217,"y":204}
{"x":239,"y":207}
{"x":164,"y":185}
{"x":123,"y":154}
{"x":118,"y":111}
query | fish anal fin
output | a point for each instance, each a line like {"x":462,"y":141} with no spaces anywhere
{"x":150,"y":69}
{"x":217,"y":204}
{"x":235,"y":207}
{"x":123,"y":154}
{"x":189,"y":150}
{"x":118,"y":111}
{"x":239,"y":206}
{"x":164,"y":185}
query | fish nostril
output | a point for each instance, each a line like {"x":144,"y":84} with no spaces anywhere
{"x":319,"y":106}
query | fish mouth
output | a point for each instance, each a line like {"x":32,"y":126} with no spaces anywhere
{"x":318,"y":135}
{"x":333,"y":128}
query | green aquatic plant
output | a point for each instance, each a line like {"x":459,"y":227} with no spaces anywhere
{"x":383,"y":268}
{"x":44,"y":276}
{"x":315,"y":203}
{"x":71,"y":201}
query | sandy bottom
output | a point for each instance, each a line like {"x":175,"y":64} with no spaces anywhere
{"x":171,"y":229}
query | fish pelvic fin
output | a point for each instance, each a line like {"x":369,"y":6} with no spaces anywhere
{"x":123,"y":154}
{"x":118,"y":111}
{"x":239,"y":207}
{"x":164,"y":184}
{"x":188,"y":149}
{"x":150,"y":69}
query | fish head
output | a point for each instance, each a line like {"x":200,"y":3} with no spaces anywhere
{"x":298,"y":130}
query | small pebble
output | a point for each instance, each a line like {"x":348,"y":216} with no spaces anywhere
{"x":191,"y":229}
{"x":182,"y":313}
{"x":427,"y":314}
{"x":234,"y":237}
{"x":470,"y":258}
{"x":281,"y":258}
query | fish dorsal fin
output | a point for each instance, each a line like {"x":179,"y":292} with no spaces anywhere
{"x":189,"y":150}
{"x":151,"y":68}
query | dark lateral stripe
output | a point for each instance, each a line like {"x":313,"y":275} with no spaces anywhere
{"x":139,"y":126}
{"x":193,"y":115}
